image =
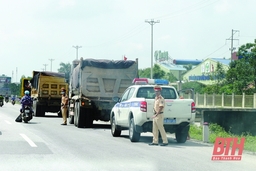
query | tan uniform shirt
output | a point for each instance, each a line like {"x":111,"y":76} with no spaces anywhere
{"x":159,"y":101}
{"x":64,"y":101}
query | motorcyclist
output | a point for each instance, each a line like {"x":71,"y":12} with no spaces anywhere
{"x":1,"y":98}
{"x":26,"y":100}
{"x":6,"y":97}
{"x":13,"y":98}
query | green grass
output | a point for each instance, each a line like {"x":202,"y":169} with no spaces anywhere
{"x":196,"y":132}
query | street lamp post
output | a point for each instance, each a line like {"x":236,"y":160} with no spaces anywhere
{"x":77,"y":47}
{"x":51,"y":63}
{"x":152,"y":22}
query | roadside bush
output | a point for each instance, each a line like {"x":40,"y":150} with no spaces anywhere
{"x":196,"y":132}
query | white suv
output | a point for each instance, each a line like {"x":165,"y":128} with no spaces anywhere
{"x":133,"y":112}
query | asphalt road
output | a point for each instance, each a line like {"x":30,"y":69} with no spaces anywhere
{"x":44,"y":144}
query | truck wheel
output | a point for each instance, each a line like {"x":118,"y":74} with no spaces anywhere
{"x":133,"y":135}
{"x":80,"y":121}
{"x":37,"y":111}
{"x":181,"y":134}
{"x":88,"y":117}
{"x":71,"y":119}
{"x":75,"y":114}
{"x":42,"y":113}
{"x":115,"y":132}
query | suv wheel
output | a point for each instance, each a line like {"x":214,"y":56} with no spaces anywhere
{"x":115,"y":132}
{"x":182,"y":134}
{"x":133,"y":135}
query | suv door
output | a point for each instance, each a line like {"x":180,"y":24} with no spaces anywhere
{"x":124,"y":107}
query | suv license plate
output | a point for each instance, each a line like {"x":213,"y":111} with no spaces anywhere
{"x":169,"y":120}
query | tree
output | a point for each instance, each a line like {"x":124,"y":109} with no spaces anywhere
{"x":218,"y":76}
{"x":170,"y":77}
{"x":198,"y":87}
{"x":66,"y":69}
{"x":14,"y":88}
{"x":188,"y":68}
{"x":157,"y":72}
{"x":242,"y":72}
{"x":144,"y":73}
{"x":248,"y":52}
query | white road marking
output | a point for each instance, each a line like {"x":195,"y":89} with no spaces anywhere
{"x":31,"y":143}
{"x":7,"y":122}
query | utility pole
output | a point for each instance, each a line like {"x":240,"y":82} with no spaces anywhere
{"x":232,"y":39}
{"x":152,"y":22}
{"x":16,"y":74}
{"x":51,"y":63}
{"x":45,"y":66}
{"x":77,"y":47}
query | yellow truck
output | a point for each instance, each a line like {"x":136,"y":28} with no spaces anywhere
{"x":45,"y":89}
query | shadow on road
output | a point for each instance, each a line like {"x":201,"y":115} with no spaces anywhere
{"x":101,"y":126}
{"x":171,"y":141}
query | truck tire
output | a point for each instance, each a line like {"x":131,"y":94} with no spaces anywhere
{"x":114,"y":131}
{"x":181,"y":134}
{"x":80,"y":118}
{"x":37,"y":111}
{"x":75,"y":114}
{"x":71,"y":119}
{"x":133,"y":135}
{"x":43,"y":111}
{"x":87,"y":113}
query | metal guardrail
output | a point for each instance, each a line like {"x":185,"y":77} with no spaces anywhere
{"x":224,"y":101}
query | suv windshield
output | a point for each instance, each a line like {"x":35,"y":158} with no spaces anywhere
{"x":148,"y":93}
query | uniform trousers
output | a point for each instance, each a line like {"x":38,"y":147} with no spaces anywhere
{"x":64,"y":114}
{"x":158,"y":127}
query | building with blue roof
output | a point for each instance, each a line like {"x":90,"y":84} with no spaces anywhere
{"x":201,"y":73}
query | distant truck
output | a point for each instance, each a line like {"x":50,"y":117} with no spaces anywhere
{"x":93,"y":84}
{"x":45,"y":89}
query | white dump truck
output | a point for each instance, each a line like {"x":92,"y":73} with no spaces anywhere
{"x":93,"y":84}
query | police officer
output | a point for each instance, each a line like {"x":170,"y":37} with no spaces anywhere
{"x":64,"y":105}
{"x":158,"y":118}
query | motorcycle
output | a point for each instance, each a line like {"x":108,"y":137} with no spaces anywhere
{"x":26,"y":114}
{"x":1,"y":103}
{"x":6,"y":100}
{"x":13,"y":102}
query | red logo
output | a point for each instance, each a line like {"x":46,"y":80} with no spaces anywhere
{"x":222,"y":150}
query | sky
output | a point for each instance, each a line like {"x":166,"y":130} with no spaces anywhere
{"x":39,"y":35}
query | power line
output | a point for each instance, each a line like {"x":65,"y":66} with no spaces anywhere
{"x":138,"y":29}
{"x":194,"y":7}
{"x":215,"y":50}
